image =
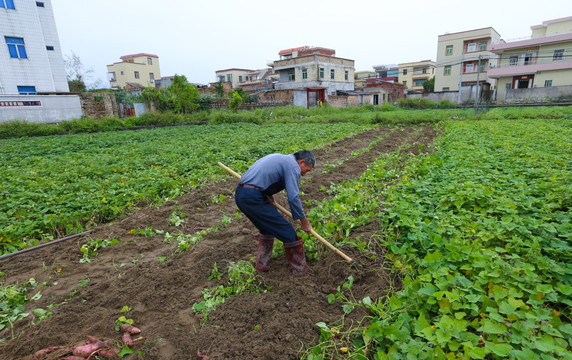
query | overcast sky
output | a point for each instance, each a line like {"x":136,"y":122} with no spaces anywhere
{"x":197,"y":37}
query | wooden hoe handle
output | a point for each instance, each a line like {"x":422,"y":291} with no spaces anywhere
{"x":286,"y":212}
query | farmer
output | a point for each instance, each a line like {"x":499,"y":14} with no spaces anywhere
{"x":254,"y":197}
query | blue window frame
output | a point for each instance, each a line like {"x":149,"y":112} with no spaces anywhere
{"x":16,"y":47}
{"x":27,"y":90}
{"x":8,"y":4}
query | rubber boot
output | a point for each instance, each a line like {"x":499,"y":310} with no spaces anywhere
{"x":296,"y":257}
{"x":265,"y":246}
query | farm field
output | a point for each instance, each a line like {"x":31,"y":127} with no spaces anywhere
{"x":460,"y":235}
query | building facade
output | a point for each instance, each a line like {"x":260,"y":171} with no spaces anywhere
{"x":387,"y":72}
{"x":412,"y":75}
{"x":233,"y":76}
{"x":134,"y":71}
{"x":31,"y":59}
{"x":360,"y":78}
{"x":463,"y":59}
{"x":543,"y":61}
{"x":315,"y":71}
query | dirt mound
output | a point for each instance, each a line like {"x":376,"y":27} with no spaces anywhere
{"x":272,"y":325}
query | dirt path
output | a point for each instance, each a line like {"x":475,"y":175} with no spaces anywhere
{"x":273,"y":325}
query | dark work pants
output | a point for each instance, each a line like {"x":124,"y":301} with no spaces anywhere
{"x":256,"y":206}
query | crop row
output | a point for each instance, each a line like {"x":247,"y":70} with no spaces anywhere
{"x":58,"y":185}
{"x":480,"y":231}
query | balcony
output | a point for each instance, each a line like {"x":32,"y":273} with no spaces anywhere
{"x":533,"y":68}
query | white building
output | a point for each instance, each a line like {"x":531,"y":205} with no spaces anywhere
{"x":31,"y":63}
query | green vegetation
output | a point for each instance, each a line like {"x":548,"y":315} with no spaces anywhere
{"x":60,"y":185}
{"x":242,"y":279}
{"x":480,"y":230}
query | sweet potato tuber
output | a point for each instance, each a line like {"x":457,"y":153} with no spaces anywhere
{"x":112,"y":353}
{"x":41,"y":353}
{"x":73,"y":357}
{"x":126,"y":338}
{"x":86,"y":350}
{"x":130,"y":329}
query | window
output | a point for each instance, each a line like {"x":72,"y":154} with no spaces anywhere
{"x":471,"y":47}
{"x":482,"y":45}
{"x":136,"y":74}
{"x":220,"y":78}
{"x":424,"y":71}
{"x":122,"y":72}
{"x":16,"y":47}
{"x":149,"y":61}
{"x":449,"y":50}
{"x":347,"y":75}
{"x":558,"y":54}
{"x":152,"y":77}
{"x":291,"y":76}
{"x":528,"y":58}
{"x":111,"y":76}
{"x":239,"y":77}
{"x":513,"y":60}
{"x":447,"y":70}
{"x":419,"y":82}
{"x":332,"y":74}
{"x":508,"y":86}
{"x":27,"y":90}
{"x":229,"y":78}
{"x":445,"y":89}
{"x":304,"y":73}
{"x":547,"y":83}
{"x":50,"y":48}
{"x":8,"y":4}
{"x":404,"y":71}
{"x":470,"y":68}
{"x":322,"y":73}
{"x":404,"y":83}
{"x":39,"y":4}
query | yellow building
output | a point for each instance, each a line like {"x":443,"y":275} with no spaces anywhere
{"x":463,"y":58}
{"x":134,"y":71}
{"x":543,"y":61}
{"x":412,"y":75}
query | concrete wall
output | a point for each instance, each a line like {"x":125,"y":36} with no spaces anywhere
{"x":40,"y":108}
{"x":545,"y":94}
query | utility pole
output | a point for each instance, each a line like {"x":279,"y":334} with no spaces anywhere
{"x":461,"y":77}
{"x":478,"y":85}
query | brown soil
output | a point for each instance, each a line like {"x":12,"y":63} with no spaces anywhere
{"x":273,"y":325}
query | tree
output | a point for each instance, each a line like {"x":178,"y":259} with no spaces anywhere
{"x":218,"y":89}
{"x":185,"y":95}
{"x":429,"y":85}
{"x":235,"y":102}
{"x":77,"y":74}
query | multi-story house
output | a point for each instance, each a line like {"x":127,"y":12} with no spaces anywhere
{"x":233,"y":76}
{"x":360,"y":78}
{"x":463,"y":59}
{"x":412,"y":75}
{"x":134,"y":71}
{"x":31,"y":59}
{"x":544,"y":60}
{"x":31,"y":65}
{"x":258,"y":80}
{"x":315,"y":71}
{"x":387,"y":72}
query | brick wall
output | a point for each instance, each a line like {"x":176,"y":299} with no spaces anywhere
{"x":97,"y":105}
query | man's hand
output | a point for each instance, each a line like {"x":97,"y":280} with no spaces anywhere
{"x":305,"y":225}
{"x":271,"y":199}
